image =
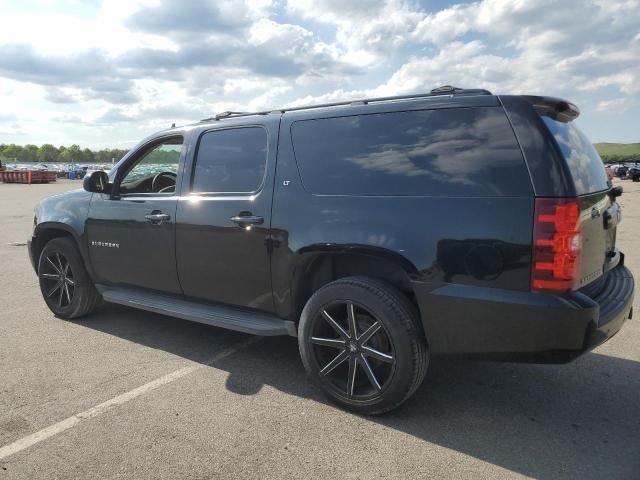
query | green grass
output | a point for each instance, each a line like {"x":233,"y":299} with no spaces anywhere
{"x":618,"y":148}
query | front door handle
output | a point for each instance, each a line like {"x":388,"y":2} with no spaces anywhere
{"x":157,"y":217}
{"x":243,"y":220}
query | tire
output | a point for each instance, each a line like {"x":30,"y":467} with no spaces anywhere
{"x":342,"y":363}
{"x":64,"y":282}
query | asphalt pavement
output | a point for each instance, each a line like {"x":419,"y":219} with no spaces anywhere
{"x":132,"y":394}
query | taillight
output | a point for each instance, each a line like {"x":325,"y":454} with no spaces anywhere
{"x":556,"y":244}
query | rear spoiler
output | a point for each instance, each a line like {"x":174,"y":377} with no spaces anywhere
{"x":556,"y":108}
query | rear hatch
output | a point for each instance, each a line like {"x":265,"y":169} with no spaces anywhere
{"x":599,"y":213}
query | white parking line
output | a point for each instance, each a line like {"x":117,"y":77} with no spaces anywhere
{"x":92,"y":412}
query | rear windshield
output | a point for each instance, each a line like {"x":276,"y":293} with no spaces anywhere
{"x":584,"y":163}
{"x":440,"y":152}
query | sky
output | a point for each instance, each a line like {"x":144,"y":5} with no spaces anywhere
{"x":106,"y":73}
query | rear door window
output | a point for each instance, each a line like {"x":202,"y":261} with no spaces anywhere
{"x":230,"y":161}
{"x":440,"y":152}
{"x":584,"y":163}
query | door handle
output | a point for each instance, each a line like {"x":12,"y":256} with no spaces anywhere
{"x":157,"y":217}
{"x":247,"y":220}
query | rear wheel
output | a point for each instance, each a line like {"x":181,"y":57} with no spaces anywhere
{"x":360,"y":340}
{"x":64,"y":282}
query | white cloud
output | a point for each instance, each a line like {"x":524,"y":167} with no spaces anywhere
{"x":615,"y":105}
{"x":553,"y":42}
{"x":144,"y":64}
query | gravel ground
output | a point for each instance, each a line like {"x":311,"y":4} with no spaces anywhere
{"x":232,"y":406}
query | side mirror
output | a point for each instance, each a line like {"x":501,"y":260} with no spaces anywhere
{"x":97,"y":182}
{"x":615,"y":192}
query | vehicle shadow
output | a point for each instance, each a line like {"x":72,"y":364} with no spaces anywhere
{"x":580,"y":420}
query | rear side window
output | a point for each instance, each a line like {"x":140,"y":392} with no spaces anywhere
{"x":445,"y":152}
{"x":230,"y":161}
{"x":584,"y":163}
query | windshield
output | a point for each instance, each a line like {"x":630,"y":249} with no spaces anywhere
{"x":582,"y":158}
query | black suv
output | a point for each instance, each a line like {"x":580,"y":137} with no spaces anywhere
{"x":379,"y":232}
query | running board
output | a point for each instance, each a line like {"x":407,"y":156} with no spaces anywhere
{"x":254,"y":323}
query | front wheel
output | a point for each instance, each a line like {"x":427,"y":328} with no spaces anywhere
{"x":64,"y":282}
{"x":360,"y":340}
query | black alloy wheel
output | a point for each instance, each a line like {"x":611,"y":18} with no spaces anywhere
{"x":352,"y":350}
{"x":64,"y":282}
{"x":57,"y":276}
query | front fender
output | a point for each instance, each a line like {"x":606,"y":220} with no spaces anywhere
{"x":69,"y":210}
{"x":61,"y":213}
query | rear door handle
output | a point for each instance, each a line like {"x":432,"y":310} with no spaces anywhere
{"x":157,"y":217}
{"x":247,"y":220}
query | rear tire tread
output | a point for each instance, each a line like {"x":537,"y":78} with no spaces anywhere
{"x":407,"y":315}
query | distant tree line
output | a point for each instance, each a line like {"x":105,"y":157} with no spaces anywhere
{"x":48,"y":153}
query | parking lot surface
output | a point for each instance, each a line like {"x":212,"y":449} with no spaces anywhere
{"x":131,"y":394}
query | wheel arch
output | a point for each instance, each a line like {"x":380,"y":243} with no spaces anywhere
{"x":46,"y":231}
{"x":320,"y":266}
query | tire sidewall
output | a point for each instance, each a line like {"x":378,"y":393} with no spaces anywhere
{"x":399,"y":336}
{"x":67,"y":249}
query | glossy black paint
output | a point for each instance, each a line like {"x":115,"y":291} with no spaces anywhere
{"x":61,"y":214}
{"x":127,"y":249}
{"x":412,"y":228}
{"x":521,"y":326}
{"x":464,"y":260}
{"x":131,"y":237}
{"x":220,"y":259}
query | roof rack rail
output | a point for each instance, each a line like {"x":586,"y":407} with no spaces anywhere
{"x":226,"y":114}
{"x":449,"y":90}
{"x":440,"y":91}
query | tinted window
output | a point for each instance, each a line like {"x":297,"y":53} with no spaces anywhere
{"x":230,"y":161}
{"x":442,"y":152}
{"x":585,"y":164}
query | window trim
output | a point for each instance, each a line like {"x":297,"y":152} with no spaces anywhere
{"x":135,"y":158}
{"x":228,"y":194}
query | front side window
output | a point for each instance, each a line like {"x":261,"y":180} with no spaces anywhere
{"x":230,"y":161}
{"x":155,"y":171}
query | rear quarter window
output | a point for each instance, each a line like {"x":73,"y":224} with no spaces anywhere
{"x":440,"y":152}
{"x":585,"y":165}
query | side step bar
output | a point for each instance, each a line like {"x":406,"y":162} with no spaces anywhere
{"x":254,"y":323}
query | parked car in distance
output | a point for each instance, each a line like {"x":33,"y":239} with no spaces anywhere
{"x":633,"y":173}
{"x":45,"y":167}
{"x":621,"y":171}
{"x":379,"y":232}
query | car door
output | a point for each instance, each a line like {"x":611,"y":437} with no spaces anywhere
{"x":222,"y":226}
{"x":131,"y":231}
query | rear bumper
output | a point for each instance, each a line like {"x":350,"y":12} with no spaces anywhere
{"x":524,"y":326}
{"x":615,"y":304}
